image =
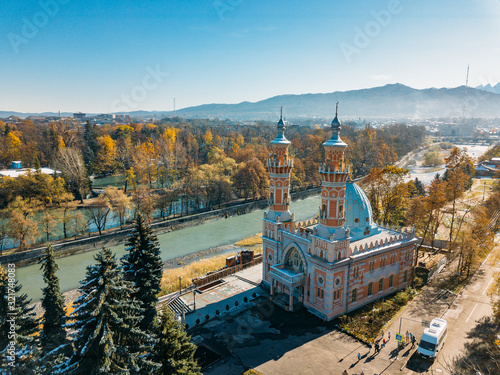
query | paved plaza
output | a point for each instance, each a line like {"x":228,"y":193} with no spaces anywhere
{"x":258,"y":334}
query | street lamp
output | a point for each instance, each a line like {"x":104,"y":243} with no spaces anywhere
{"x":484,"y":189}
{"x":180,"y":287}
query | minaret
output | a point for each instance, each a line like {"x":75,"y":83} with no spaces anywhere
{"x":334,"y":174}
{"x":279,"y":166}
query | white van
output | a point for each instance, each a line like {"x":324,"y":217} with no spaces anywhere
{"x":433,"y":338}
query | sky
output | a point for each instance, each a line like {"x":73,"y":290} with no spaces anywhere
{"x":109,"y":56}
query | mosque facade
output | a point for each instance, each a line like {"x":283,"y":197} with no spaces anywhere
{"x":340,"y":263}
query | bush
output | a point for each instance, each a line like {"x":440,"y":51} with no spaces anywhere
{"x":198,"y":321}
{"x":236,"y":303}
{"x":186,"y":327}
{"x":245,"y":299}
{"x":207,"y":317}
{"x":217,"y":312}
{"x":254,"y":294}
{"x":227,"y":307}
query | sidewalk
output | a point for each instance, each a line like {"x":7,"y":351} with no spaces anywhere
{"x":432,"y":302}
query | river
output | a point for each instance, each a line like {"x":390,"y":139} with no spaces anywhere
{"x":426,"y":174}
{"x":172,"y":244}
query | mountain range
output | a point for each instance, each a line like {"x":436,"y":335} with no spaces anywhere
{"x":394,"y":101}
{"x":495,"y":89}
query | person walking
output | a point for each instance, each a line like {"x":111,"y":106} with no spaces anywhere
{"x":359,"y":356}
{"x":383,"y":342}
{"x":407,"y":337}
{"x":389,"y":335}
{"x":413,"y":339}
{"x":345,"y":372}
{"x":377,"y":347}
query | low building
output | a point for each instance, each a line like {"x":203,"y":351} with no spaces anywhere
{"x":489,"y":168}
{"x":16,"y":169}
{"x":341,"y":263}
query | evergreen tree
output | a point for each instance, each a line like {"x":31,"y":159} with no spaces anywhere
{"x":174,"y":350}
{"x":52,"y":334}
{"x":143,"y":266}
{"x":18,"y":326}
{"x":106,"y":323}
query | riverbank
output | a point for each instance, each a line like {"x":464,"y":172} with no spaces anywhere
{"x":188,"y":267}
{"x":114,"y":237}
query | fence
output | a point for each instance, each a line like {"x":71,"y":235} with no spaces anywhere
{"x":435,"y":270}
{"x":217,"y":275}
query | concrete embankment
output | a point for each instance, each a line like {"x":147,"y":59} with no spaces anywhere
{"x":115,"y":237}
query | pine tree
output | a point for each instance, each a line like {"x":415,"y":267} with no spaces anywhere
{"x":18,"y":326}
{"x":174,"y":350}
{"x":143,"y":266}
{"x":52,"y":335}
{"x":106,"y":324}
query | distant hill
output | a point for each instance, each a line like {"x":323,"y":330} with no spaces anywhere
{"x":390,"y":101}
{"x":394,"y":101}
{"x":495,"y":89}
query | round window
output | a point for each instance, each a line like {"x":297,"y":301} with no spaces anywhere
{"x":320,"y":280}
{"x":270,"y":257}
{"x":356,"y":220}
{"x":337,"y":281}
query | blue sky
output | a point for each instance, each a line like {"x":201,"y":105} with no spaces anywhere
{"x":105,"y":56}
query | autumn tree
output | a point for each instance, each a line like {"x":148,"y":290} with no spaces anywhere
{"x":22,"y":224}
{"x":388,"y":193}
{"x":251,"y":179}
{"x":99,"y":212}
{"x":78,"y":223}
{"x":49,"y":223}
{"x":121,"y":204}
{"x":71,"y":163}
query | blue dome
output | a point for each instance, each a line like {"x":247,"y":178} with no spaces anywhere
{"x":358,"y":213}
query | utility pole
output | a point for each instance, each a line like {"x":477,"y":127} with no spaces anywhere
{"x":465,"y":91}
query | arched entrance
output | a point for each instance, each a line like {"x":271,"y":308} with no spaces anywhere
{"x":294,"y":261}
{"x":288,"y":277}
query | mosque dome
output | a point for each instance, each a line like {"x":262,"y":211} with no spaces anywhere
{"x":358,"y":212}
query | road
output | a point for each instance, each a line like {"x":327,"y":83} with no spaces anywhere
{"x":472,"y":304}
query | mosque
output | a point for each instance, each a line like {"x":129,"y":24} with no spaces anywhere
{"x":345,"y":260}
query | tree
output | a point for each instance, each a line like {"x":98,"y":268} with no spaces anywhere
{"x":66,"y":201}
{"x":142,"y":265}
{"x":251,"y":179}
{"x":71,"y":162}
{"x":79,"y":223}
{"x":432,"y":158}
{"x":99,"y":212}
{"x":174,"y":350}
{"x":458,"y":175}
{"x":388,"y":193}
{"x":4,"y":229}
{"x":165,"y":201}
{"x":49,"y":224}
{"x":145,"y":202}
{"x":105,"y":156}
{"x":120,"y":202}
{"x":23,"y":229}
{"x":16,"y":316}
{"x":53,"y":334}
{"x":105,"y":323}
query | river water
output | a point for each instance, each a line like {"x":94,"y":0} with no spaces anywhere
{"x":172,"y":244}
{"x":426,"y":174}
{"x":201,"y":237}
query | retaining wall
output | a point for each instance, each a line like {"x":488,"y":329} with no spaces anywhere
{"x":117,"y":236}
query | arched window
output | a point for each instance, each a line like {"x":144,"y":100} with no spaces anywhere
{"x":370,"y":289}
{"x":294,"y":261}
{"x":391,"y":281}
{"x":381,"y":285}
